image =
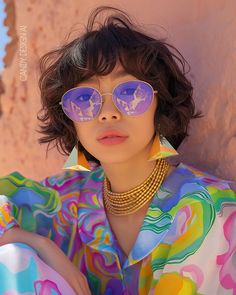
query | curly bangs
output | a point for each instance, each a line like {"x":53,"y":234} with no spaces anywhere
{"x":96,"y":52}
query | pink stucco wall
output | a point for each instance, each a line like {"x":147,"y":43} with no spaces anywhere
{"x":204,"y":31}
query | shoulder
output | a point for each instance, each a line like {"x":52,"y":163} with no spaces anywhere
{"x":17,"y":186}
{"x":217,"y":190}
{"x":71,"y":180}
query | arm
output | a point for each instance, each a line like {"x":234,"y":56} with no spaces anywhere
{"x":51,"y":255}
{"x":38,"y":211}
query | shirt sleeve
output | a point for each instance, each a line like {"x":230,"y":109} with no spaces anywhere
{"x":7,"y":219}
{"x":27,"y":203}
{"x":65,"y":223}
{"x":224,"y":199}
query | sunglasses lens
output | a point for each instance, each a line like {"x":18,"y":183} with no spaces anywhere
{"x":81,"y":104}
{"x":133,"y":97}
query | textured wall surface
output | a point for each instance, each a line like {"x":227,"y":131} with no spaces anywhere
{"x":203,"y":31}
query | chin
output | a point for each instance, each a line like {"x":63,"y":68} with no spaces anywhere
{"x":114,"y":159}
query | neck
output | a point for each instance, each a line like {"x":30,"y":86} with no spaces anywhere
{"x":129,"y":174}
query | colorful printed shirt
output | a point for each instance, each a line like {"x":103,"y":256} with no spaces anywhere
{"x":186,"y":244}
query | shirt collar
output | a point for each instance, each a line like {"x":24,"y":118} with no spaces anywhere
{"x":94,"y":227}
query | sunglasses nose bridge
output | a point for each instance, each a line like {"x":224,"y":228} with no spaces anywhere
{"x":106,"y":93}
{"x":103,"y":94}
{"x":108,"y":108}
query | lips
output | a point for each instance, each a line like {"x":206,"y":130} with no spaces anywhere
{"x":111,"y":134}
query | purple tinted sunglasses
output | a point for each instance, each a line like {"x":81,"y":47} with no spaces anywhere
{"x":131,"y":98}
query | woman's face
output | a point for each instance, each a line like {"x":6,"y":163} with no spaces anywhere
{"x":139,"y":130}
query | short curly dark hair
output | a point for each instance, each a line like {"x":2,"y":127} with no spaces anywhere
{"x":96,"y":52}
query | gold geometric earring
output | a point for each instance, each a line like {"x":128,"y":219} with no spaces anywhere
{"x":161,"y":149}
{"x":77,"y":161}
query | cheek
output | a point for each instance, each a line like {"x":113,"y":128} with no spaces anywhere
{"x":146,"y":129}
{"x":82,"y":131}
{"x":148,"y":117}
{"x":146,"y":126}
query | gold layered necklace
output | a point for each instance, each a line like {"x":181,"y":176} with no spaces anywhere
{"x":134,"y":199}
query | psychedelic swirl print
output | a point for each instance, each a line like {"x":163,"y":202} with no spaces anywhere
{"x":186,"y":244}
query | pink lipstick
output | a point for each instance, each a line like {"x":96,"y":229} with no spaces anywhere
{"x":111,"y":137}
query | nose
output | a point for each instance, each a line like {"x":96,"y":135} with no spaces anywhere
{"x":108,"y":111}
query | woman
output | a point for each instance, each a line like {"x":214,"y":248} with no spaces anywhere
{"x":130,"y":222}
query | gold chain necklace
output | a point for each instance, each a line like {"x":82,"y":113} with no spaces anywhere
{"x":132,"y":200}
